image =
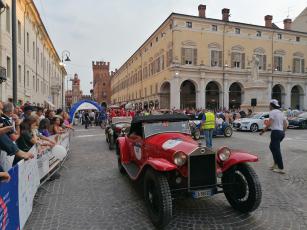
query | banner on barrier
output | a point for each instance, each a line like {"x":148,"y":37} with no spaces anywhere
{"x":9,"y":210}
{"x":28,"y":183}
{"x":16,"y":196}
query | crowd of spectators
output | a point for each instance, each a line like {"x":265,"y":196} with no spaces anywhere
{"x":23,"y":127}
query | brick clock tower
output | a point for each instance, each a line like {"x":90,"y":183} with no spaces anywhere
{"x":101,"y":82}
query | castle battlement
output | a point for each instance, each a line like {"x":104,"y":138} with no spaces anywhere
{"x":100,"y":65}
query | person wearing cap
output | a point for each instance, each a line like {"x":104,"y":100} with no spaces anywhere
{"x":278,"y":124}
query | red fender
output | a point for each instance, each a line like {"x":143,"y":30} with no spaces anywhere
{"x":161,"y":164}
{"x":123,"y":148}
{"x":237,"y":157}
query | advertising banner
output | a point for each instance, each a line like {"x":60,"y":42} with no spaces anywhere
{"x":28,"y":183}
{"x":9,"y":210}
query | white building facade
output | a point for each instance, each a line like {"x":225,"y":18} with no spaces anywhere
{"x":40,"y":76}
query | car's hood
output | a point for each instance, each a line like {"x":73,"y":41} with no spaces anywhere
{"x":296,"y":119}
{"x":173,"y":142}
{"x":247,"y":120}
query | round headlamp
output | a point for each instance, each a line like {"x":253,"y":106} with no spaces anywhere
{"x":224,"y":153}
{"x":180,"y":158}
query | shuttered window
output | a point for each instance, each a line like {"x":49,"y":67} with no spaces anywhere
{"x":278,"y":63}
{"x":169,"y":57}
{"x":188,"y":56}
{"x":298,"y":65}
{"x":262,"y":61}
{"x":238,"y":60}
{"x":216,"y":58}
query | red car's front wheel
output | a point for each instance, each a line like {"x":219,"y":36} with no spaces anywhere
{"x":158,"y":198}
{"x":242,"y":188}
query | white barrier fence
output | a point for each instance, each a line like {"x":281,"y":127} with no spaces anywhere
{"x":17,"y":196}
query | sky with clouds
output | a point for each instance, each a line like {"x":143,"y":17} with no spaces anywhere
{"x":101,"y":30}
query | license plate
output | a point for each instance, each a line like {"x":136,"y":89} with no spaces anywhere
{"x":201,"y":193}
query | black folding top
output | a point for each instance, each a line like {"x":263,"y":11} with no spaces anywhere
{"x":163,"y":117}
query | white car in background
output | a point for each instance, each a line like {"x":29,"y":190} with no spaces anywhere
{"x":253,"y":123}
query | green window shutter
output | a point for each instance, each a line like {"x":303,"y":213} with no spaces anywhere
{"x":195,"y":57}
{"x":243,"y":60}
{"x":303,"y":65}
{"x":264,"y":62}
{"x":182,"y":56}
{"x":293,"y":65}
{"x":232,"y":60}
{"x":220,"y":58}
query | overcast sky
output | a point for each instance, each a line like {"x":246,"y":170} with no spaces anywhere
{"x":111,"y":30}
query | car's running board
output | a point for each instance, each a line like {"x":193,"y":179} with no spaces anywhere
{"x":132,"y":169}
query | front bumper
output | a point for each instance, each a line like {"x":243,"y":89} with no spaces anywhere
{"x":240,"y":126}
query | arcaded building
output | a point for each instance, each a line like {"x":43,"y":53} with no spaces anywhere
{"x":200,"y":62}
{"x":101,"y":82}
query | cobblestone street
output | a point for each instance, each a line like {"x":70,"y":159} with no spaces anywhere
{"x":92,"y":194}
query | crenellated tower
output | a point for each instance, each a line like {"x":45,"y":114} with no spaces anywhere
{"x":101,"y":81}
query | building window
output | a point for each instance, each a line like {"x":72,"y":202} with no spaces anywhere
{"x":37,"y":55}
{"x":188,"y":24}
{"x":188,"y":56}
{"x":237,"y":60}
{"x":19,"y":31}
{"x":33,"y":50}
{"x":278,"y":63}
{"x":28,"y":48}
{"x":216,"y":58}
{"x":279,"y":36}
{"x":8,"y":19}
{"x":157,"y":39}
{"x":237,"y":31}
{"x":19,"y":73}
{"x":297,"y":39}
{"x":262,"y":61}
{"x":28,"y":78}
{"x":258,"y":34}
{"x":151,"y":44}
{"x":298,"y":65}
{"x":214,"y":27}
{"x":33,"y":82}
{"x":8,"y":67}
{"x":169,"y":57}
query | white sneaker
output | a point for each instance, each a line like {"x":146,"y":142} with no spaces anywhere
{"x":274,"y":166}
{"x":277,"y":170}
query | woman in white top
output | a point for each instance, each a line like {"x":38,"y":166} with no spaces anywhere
{"x":278,"y":125}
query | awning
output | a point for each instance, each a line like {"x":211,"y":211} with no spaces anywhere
{"x":50,"y":104}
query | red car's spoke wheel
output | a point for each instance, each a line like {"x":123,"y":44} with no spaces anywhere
{"x":242,"y":188}
{"x":157,"y":198}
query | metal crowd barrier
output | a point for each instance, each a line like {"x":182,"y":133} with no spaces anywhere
{"x":17,"y":195}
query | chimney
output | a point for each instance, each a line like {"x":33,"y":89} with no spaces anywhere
{"x":287,"y":24}
{"x":202,"y":11}
{"x":268,"y":21}
{"x":225,"y":14}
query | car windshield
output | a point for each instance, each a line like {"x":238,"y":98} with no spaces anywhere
{"x":303,"y":115}
{"x":166,"y":127}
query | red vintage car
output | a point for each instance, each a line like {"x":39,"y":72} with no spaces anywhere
{"x":160,"y":151}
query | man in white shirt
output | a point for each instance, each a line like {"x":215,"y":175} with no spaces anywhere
{"x":278,"y":125}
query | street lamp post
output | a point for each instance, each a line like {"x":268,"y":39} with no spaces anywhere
{"x":14,"y":51}
{"x":62,"y":63}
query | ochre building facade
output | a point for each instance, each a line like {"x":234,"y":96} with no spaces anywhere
{"x":200,"y":62}
{"x":40,"y":76}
